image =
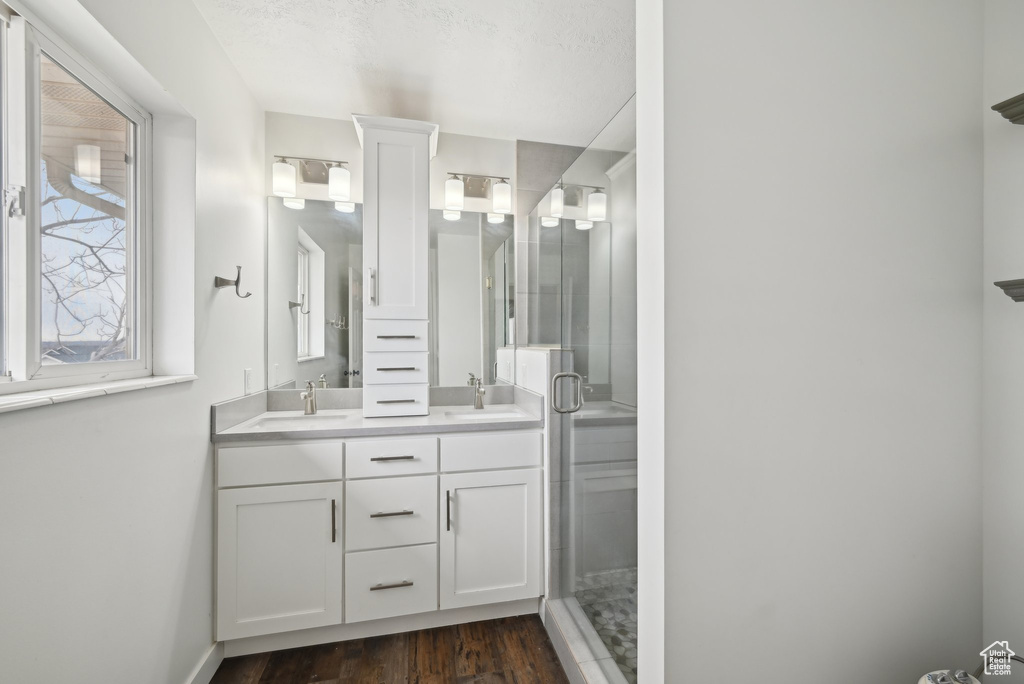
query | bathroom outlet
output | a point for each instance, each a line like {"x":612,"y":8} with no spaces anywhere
{"x":248,"y":381}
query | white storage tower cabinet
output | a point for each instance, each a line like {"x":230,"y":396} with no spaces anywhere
{"x":396,"y":202}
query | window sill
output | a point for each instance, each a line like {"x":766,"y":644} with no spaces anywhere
{"x":306,"y":359}
{"x":27,"y":400}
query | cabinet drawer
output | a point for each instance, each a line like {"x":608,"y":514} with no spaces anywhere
{"x":386,"y":457}
{"x":491,"y":451}
{"x":394,"y":511}
{"x":395,"y":400}
{"x":279,"y":464}
{"x":395,"y":368}
{"x":394,"y":336}
{"x":390,"y":582}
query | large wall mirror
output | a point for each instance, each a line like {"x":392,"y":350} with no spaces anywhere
{"x":314,"y":295}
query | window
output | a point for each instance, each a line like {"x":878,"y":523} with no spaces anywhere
{"x":303,"y":316}
{"x":75,"y":232}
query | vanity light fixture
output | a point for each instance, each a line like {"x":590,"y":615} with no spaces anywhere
{"x":557,"y":200}
{"x":294,"y":202}
{"x":345,"y":207}
{"x":495,"y":218}
{"x":284,"y":178}
{"x":549,"y":221}
{"x":501,"y":197}
{"x":597,"y":206}
{"x":450,"y":215}
{"x":454,"y":194}
{"x":339,"y":183}
{"x":584,"y":225}
{"x":87,"y":163}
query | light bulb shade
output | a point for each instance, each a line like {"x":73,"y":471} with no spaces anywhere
{"x":294,"y":203}
{"x":345,"y":207}
{"x":584,"y":225}
{"x":549,"y":221}
{"x":450,"y":215}
{"x":501,"y":198}
{"x":87,"y":163}
{"x":284,"y":179}
{"x":597,"y":206}
{"x":339,"y":184}
{"x":495,"y":218}
{"x":454,"y":194}
{"x":557,"y":202}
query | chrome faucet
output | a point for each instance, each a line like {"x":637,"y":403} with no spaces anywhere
{"x":309,"y":396}
{"x":323,"y":381}
{"x":480,"y":392}
{"x":472,"y":380}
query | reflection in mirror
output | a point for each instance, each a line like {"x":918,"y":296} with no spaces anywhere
{"x":314,"y":294}
{"x":470,"y":301}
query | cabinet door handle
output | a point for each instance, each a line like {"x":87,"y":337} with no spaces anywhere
{"x":396,"y":585}
{"x":373,"y":286}
{"x":396,"y":337}
{"x":390,"y":514}
{"x":448,"y":509}
{"x":407,"y":457}
{"x":334,"y":520}
{"x":388,"y":370}
{"x":396,"y":401}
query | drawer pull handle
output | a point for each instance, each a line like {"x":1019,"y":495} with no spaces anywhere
{"x":408,"y":457}
{"x":396,"y":585}
{"x":390,"y":514}
{"x":396,"y":401}
{"x":387,"y":370}
{"x":396,"y":337}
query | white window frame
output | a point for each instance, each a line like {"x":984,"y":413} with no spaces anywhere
{"x":312,"y":287}
{"x":22,"y":308}
{"x":302,"y":331}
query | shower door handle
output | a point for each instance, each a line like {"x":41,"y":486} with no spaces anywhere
{"x":578,"y":399}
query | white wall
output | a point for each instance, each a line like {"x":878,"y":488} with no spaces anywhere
{"x":106,"y":503}
{"x":1004,"y":330}
{"x":822,"y":285}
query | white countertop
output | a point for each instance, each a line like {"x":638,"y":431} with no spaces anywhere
{"x":348,"y":423}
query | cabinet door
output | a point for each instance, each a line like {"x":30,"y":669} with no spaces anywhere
{"x":396,"y":202}
{"x":490,"y":531}
{"x":279,"y":557}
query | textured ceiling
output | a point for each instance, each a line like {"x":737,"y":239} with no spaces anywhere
{"x":546,"y":70}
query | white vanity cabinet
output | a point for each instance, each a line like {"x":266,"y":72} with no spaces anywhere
{"x":321,"y":533}
{"x":279,"y":558}
{"x":396,"y":205}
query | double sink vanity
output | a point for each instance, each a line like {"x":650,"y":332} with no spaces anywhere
{"x":389,"y":502}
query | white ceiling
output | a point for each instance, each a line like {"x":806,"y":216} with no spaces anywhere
{"x":545,"y":70}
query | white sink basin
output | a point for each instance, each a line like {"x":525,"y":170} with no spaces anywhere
{"x":293,"y":422}
{"x":484,"y":414}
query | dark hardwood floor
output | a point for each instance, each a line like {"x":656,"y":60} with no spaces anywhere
{"x":491,"y":652}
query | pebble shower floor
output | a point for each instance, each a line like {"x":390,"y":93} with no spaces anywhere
{"x":609,"y":601}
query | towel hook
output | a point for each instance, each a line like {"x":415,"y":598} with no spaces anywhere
{"x":300,"y":305}
{"x":236,"y":283}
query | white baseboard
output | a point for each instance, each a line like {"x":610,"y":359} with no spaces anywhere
{"x":207,"y":665}
{"x":362,"y":630}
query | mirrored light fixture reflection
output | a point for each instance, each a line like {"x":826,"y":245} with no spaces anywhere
{"x":345,"y":207}
{"x":284,"y":178}
{"x":557,"y":201}
{"x":87,"y":163}
{"x":597,"y":206}
{"x":339,"y":183}
{"x":450,"y":215}
{"x":501,"y":197}
{"x":584,"y":225}
{"x":454,"y":194}
{"x":294,"y":203}
{"x":549,"y":221}
{"x":495,"y":218}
